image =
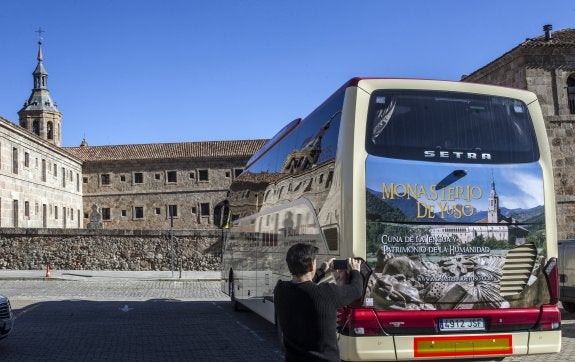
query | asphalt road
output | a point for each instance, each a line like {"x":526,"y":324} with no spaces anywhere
{"x":155,"y":320}
{"x":132,"y":321}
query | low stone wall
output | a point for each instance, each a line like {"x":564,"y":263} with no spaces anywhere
{"x":130,"y":250}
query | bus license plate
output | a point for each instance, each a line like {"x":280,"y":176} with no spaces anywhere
{"x":461,"y":324}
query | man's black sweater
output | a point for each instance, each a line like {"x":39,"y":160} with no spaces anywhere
{"x":307,"y":316}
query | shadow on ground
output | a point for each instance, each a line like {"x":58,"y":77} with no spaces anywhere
{"x":153,"y":330}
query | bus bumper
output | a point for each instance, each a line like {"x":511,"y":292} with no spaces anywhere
{"x":430,"y":347}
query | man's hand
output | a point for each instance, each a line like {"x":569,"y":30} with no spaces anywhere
{"x":354,"y":264}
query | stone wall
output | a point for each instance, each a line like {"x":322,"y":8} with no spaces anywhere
{"x":128,"y":250}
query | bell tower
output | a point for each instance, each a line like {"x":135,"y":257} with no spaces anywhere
{"x":493,"y":210}
{"x":39,"y":114}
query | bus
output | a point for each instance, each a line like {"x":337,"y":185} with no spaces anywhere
{"x":444,"y":189}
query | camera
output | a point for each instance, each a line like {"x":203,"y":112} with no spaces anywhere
{"x":340,"y":264}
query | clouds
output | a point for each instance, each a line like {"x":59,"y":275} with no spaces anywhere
{"x":520,"y":189}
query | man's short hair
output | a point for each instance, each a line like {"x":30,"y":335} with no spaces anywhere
{"x":299,"y":257}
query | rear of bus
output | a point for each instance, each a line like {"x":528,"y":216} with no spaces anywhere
{"x":453,"y":195}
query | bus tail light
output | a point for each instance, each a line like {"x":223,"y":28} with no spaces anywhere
{"x":552,"y":276}
{"x":359,"y":322}
{"x":550,"y":318}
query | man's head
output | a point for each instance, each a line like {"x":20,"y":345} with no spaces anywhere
{"x":300,"y":258}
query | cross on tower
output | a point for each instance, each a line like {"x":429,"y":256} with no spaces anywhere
{"x":40,"y":31}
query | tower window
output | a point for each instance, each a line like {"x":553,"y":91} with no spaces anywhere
{"x":50,"y":131}
{"x":571,"y":93}
{"x":203,"y":175}
{"x":36,"y":127}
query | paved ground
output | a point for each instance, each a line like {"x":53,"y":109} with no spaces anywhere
{"x":175,"y":318}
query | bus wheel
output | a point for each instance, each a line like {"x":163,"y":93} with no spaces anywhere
{"x":569,"y":307}
{"x":232,"y":292}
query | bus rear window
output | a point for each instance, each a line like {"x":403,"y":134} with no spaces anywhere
{"x":449,"y":127}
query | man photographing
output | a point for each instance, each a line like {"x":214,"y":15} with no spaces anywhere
{"x":306,"y":311}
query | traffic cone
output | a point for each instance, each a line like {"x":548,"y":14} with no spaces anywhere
{"x":48,"y":271}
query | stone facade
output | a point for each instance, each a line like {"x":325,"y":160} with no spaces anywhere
{"x":136,"y":186}
{"x":546,"y":66}
{"x":145,"y":250}
{"x":39,"y":183}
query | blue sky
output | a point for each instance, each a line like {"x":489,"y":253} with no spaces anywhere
{"x":156,"y":71}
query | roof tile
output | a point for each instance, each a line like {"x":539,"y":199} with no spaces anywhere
{"x":207,"y":149}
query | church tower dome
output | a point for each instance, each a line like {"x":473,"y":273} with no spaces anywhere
{"x":39,"y":114}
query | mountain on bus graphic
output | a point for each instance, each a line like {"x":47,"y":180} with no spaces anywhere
{"x":405,"y":208}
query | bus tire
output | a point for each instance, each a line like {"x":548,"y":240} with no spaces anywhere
{"x":569,"y":306}
{"x":232,"y":292}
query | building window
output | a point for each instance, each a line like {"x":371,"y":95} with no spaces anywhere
{"x":124,"y":213}
{"x":122,"y":178}
{"x":228,"y":174}
{"x":158,"y":211}
{"x":205,"y":209}
{"x":203,"y":175}
{"x":85,"y":180}
{"x":172,"y":176}
{"x":157,"y":176}
{"x":15,"y":213}
{"x":571,"y":93}
{"x":55,"y":212}
{"x":63,"y":177}
{"x":238,"y":171}
{"x":26,"y":209}
{"x":77,"y":183}
{"x":138,"y":212}
{"x":192,"y":175}
{"x":105,"y":213}
{"x":15,"y":160}
{"x":194,"y":210}
{"x":138,"y":178}
{"x":44,"y":170}
{"x":105,"y":179}
{"x":26,"y":159}
{"x":173,"y":210}
{"x":55,"y":170}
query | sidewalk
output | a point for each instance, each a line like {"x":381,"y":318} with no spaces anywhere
{"x":100,"y":275}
